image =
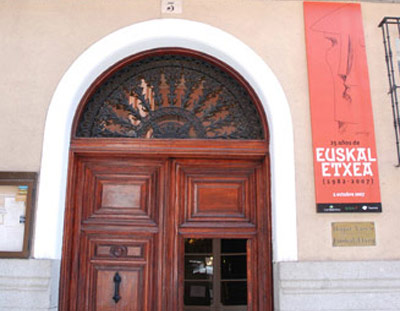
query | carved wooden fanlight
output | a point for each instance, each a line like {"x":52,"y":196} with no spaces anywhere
{"x":171,"y":95}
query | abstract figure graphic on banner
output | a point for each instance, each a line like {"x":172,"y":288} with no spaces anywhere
{"x":344,"y":50}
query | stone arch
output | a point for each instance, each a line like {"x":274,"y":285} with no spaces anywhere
{"x":149,"y":35}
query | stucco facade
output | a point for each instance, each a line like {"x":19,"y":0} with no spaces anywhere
{"x":43,"y":40}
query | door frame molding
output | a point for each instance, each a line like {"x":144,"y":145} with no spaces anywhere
{"x":141,"y":37}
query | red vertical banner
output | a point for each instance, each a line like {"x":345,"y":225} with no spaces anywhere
{"x":345,"y":161}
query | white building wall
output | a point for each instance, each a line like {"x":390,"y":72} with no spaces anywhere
{"x":40,"y":39}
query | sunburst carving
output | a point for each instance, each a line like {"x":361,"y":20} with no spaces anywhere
{"x":171,"y":96}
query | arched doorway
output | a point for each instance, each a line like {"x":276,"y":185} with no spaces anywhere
{"x":135,"y":39}
{"x":169,"y":150}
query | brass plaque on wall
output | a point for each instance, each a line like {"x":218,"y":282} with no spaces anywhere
{"x":353,"y":234}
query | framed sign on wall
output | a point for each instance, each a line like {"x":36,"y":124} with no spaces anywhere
{"x":17,"y":193}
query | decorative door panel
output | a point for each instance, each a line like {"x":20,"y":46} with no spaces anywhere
{"x":122,"y":191}
{"x":119,"y":247}
{"x":116,"y":271}
{"x":215,"y":192}
{"x":117,"y":288}
{"x":117,"y":210}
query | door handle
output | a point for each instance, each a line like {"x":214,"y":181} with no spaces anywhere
{"x":117,"y":282}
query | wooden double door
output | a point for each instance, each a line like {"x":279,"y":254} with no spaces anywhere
{"x":128,"y":217}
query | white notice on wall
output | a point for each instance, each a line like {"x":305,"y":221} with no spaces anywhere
{"x":12,"y":224}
